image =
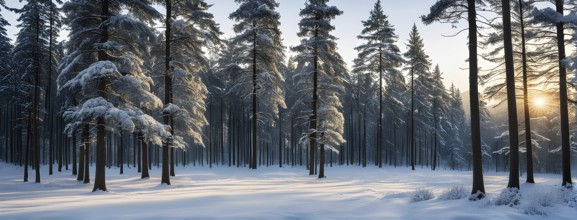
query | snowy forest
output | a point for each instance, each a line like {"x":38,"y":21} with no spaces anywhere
{"x":100,"y":95}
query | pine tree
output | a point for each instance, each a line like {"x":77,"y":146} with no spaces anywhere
{"x":259,"y":36}
{"x":112,"y":83}
{"x":190,"y":29}
{"x":318,"y":54}
{"x":456,"y":126}
{"x":31,"y":49}
{"x":378,"y":55}
{"x":440,"y":105}
{"x":418,"y":65}
{"x":452,"y":11}
{"x":5,"y":50}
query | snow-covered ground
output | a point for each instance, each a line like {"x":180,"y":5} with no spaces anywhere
{"x":272,"y":193}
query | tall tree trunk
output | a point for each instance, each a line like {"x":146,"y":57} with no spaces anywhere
{"x":478,"y":185}
{"x":121,"y":154}
{"x":511,"y":98}
{"x":80,"y":174}
{"x":83,"y":152}
{"x":27,"y":156}
{"x":434,"y":155}
{"x":137,"y":149}
{"x":528,"y":143}
{"x":36,"y":102}
{"x":380,"y":128}
{"x":100,"y":173}
{"x":85,"y":155}
{"x":564,"y":113}
{"x":167,"y":93}
{"x":86,"y":162}
{"x":254,"y":101}
{"x":49,"y":118}
{"x":313,"y":120}
{"x":280,"y":148}
{"x":413,"y":119}
{"x":74,"y":167}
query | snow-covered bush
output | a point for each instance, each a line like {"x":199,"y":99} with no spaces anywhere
{"x":544,"y":198}
{"x":422,"y":194}
{"x":509,"y":196}
{"x":454,"y":193}
{"x":565,"y":195}
{"x":535,"y":208}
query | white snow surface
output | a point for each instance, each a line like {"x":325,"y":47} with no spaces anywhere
{"x":269,"y":193}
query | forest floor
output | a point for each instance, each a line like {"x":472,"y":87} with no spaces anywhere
{"x":275,"y":193}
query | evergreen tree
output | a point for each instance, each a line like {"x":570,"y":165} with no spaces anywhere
{"x":259,"y":37}
{"x":32,"y":48}
{"x":418,"y":66}
{"x":104,"y":64}
{"x":191,"y":30}
{"x":440,"y":107}
{"x":318,"y":55}
{"x":457,"y":127}
{"x":5,"y":49}
{"x":378,"y":55}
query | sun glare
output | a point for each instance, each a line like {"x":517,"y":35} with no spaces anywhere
{"x":540,"y":102}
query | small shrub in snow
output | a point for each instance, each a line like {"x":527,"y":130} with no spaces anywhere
{"x":454,"y":193}
{"x":422,"y":195}
{"x":567,"y":196}
{"x":544,"y":199}
{"x":509,"y":196}
{"x":535,"y":208}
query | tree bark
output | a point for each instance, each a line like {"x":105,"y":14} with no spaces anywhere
{"x":254,"y":102}
{"x":144,"y":173}
{"x":167,"y":93}
{"x":313,"y":120}
{"x":564,"y":113}
{"x":413,"y":156}
{"x":478,"y":184}
{"x":528,"y":143}
{"x":100,"y":174}
{"x":511,"y":98}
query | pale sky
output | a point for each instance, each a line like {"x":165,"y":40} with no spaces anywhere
{"x":449,"y":52}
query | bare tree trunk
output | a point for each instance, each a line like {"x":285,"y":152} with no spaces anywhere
{"x":380,"y":126}
{"x":145,"y":162}
{"x":478,"y":185}
{"x":564,"y":113}
{"x":27,"y":157}
{"x":86,"y":155}
{"x":254,"y":105}
{"x":100,"y":173}
{"x":528,"y":143}
{"x":167,"y":93}
{"x":511,"y":98}
{"x":313,"y":119}
{"x":412,"y":119}
{"x":36,"y":102}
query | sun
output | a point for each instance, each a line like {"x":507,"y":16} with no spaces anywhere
{"x":540,"y":102}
